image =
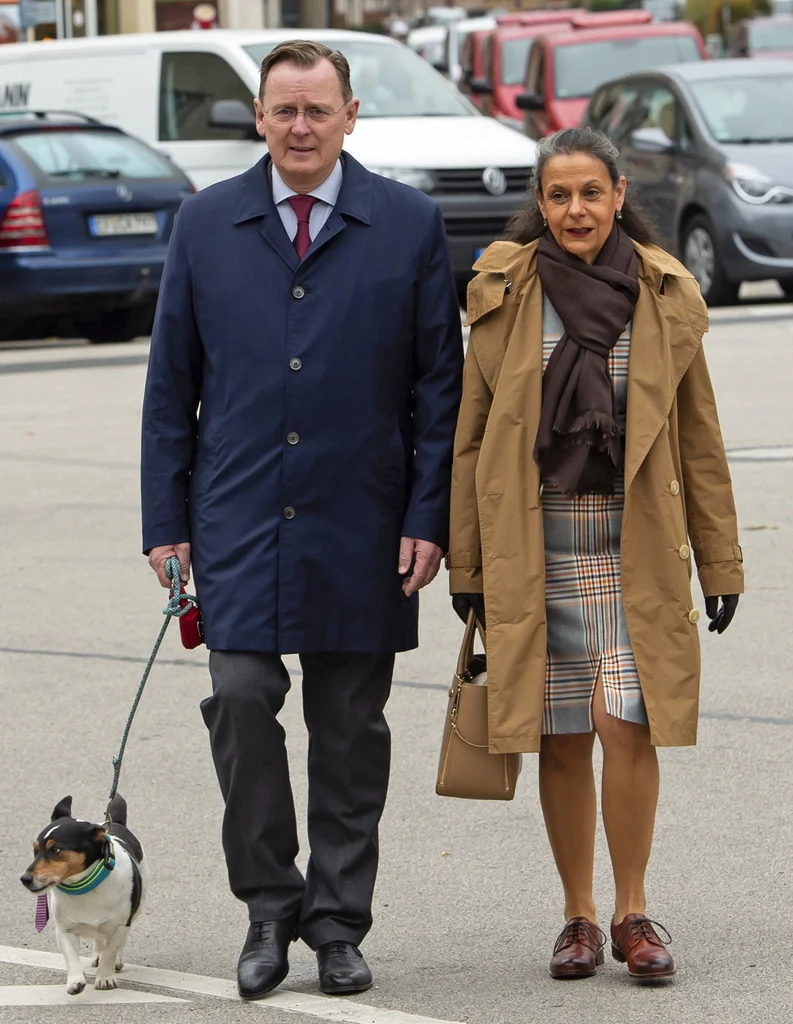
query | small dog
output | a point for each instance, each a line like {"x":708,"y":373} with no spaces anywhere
{"x":96,"y":877}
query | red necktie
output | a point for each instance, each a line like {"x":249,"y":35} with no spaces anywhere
{"x":302,"y":207}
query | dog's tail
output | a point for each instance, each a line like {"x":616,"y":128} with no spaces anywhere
{"x":118,"y":810}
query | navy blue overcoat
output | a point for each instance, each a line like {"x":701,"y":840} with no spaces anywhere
{"x":299,"y":416}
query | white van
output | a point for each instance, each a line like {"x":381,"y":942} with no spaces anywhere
{"x":191,"y":95}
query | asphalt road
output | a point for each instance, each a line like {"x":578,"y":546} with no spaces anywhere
{"x":467,"y":905}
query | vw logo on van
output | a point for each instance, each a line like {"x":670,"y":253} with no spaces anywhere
{"x":123,"y":193}
{"x":494,"y":180}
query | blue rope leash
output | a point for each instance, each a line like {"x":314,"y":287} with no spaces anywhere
{"x":172,"y":610}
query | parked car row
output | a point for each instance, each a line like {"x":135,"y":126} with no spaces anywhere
{"x":193,"y":94}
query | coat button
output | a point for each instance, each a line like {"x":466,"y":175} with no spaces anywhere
{"x":298,"y":292}
{"x":674,"y":487}
{"x":684,"y":551}
{"x":693,"y":616}
{"x":295,"y":364}
{"x":289,"y":512}
{"x":292,"y":437}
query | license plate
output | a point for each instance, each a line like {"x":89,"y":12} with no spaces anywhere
{"x":478,"y":253}
{"x":104,"y":224}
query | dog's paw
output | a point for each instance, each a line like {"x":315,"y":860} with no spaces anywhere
{"x":105,"y":983}
{"x":75,"y":987}
{"x":95,"y":961}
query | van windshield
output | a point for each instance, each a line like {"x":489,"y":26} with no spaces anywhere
{"x":391,"y":81}
{"x":513,"y":60}
{"x":771,"y":35}
{"x":580,"y":68}
{"x":748,"y":109}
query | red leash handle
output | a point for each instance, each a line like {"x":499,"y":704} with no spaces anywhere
{"x":191,"y":628}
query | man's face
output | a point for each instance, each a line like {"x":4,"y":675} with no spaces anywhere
{"x":305,"y":147}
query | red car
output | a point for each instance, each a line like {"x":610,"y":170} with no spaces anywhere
{"x":471,"y":61}
{"x":564,"y":68}
{"x":504,"y":60}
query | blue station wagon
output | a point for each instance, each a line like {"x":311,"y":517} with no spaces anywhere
{"x":86,"y":213}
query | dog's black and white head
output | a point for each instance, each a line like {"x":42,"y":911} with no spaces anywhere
{"x":64,"y":849}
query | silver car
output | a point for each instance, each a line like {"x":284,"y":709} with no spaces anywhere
{"x":709,"y":149}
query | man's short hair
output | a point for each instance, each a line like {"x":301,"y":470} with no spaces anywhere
{"x":306,"y":54}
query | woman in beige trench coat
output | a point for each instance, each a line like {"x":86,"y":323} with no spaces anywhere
{"x":586,"y":351}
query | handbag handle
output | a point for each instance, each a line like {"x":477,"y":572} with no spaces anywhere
{"x":472,"y":626}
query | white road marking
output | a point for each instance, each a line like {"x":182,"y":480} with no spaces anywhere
{"x":322,"y":1007}
{"x":773,"y":453}
{"x":55,"y":995}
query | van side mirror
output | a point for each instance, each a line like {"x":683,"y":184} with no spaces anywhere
{"x":530,"y":101}
{"x":233,"y":114}
{"x":653,"y":141}
{"x":480,"y":86}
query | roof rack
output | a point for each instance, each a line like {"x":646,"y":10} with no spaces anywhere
{"x":46,"y":115}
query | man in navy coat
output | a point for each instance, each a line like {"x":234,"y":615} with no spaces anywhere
{"x":300,"y":407}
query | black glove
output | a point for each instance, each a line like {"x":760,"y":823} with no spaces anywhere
{"x":463,"y":603}
{"x":720,"y":618}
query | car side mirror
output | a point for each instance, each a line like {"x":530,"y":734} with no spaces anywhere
{"x":480,"y":86}
{"x":652,"y":140}
{"x":233,"y":114}
{"x":530,"y":101}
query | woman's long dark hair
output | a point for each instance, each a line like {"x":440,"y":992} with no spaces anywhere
{"x":528,"y":223}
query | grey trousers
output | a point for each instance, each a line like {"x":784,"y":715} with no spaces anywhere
{"x":349,"y":753}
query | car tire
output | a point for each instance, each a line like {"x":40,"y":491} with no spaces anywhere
{"x":786,"y":284}
{"x":702,"y":257}
{"x":121,"y":326}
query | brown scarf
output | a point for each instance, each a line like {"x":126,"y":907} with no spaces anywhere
{"x":578,"y":447}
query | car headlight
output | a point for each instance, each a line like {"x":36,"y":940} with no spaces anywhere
{"x":754,"y":187}
{"x":421,"y":180}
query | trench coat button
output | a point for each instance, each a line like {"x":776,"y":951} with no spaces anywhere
{"x":298,"y":292}
{"x":292,"y":437}
{"x":289,"y":512}
{"x":295,"y":364}
{"x":693,"y":616}
{"x":674,"y":487}
{"x":684,"y":551}
{"x":542,"y":488}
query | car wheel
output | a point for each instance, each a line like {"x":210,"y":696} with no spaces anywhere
{"x":701,"y":256}
{"x":123,"y":325}
{"x":786,"y":284}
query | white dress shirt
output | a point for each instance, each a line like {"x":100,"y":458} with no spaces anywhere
{"x":327,"y":193}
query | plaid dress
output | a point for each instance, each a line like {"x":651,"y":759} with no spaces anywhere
{"x":587,"y":632}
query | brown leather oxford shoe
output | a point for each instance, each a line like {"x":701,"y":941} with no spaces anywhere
{"x":578,"y":952}
{"x":635,"y":941}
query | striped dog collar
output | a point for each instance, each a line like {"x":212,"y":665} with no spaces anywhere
{"x":96,"y":877}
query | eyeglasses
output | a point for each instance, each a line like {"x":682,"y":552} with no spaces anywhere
{"x":313,"y":115}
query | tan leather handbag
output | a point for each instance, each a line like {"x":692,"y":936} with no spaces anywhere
{"x":467,"y":769}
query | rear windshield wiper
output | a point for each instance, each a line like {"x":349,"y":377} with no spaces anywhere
{"x":87,"y":172}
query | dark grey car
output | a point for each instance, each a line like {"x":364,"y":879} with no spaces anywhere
{"x":708,"y":146}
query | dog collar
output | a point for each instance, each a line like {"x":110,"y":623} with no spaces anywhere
{"x":97,"y":876}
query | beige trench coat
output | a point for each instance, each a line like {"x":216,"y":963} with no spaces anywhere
{"x":678,"y":493}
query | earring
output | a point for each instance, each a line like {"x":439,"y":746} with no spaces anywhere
{"x":619,"y":214}
{"x":544,"y":222}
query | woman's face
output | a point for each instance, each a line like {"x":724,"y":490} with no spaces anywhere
{"x":580,"y":203}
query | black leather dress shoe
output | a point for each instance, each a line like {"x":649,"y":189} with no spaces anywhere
{"x":342,"y":969}
{"x":263,"y":962}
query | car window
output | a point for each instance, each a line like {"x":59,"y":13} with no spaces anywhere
{"x":513,"y":60}
{"x":581,"y":67}
{"x":770,"y":35}
{"x":487,"y":59}
{"x":747,"y":109}
{"x":614,"y":116}
{"x":189,"y":84}
{"x":85,"y":156}
{"x":659,"y":110}
{"x":392,"y":81}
